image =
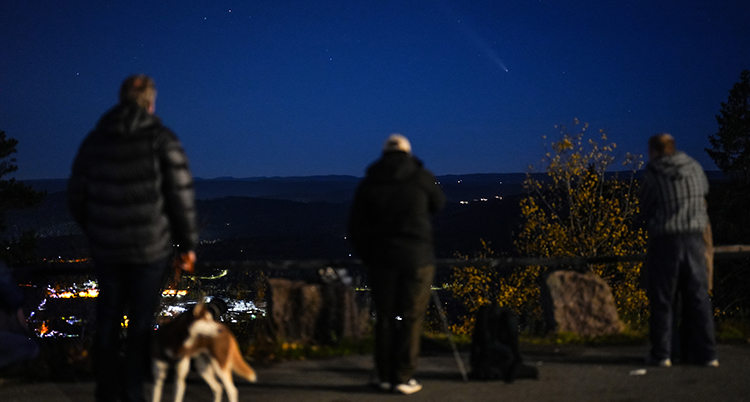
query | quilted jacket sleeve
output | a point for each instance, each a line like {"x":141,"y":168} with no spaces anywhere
{"x":177,"y":187}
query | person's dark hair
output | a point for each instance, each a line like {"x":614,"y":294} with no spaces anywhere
{"x":139,"y":89}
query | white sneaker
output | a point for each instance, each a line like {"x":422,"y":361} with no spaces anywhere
{"x":658,"y":363}
{"x":381,"y":385}
{"x":713,"y":363}
{"x":409,"y":387}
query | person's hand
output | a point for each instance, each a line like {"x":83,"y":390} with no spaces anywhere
{"x":186,"y":261}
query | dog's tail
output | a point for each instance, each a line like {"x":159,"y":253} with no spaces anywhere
{"x":240,"y":366}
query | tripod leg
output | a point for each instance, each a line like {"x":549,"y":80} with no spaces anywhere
{"x":456,"y":355}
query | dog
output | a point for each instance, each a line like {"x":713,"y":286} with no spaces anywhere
{"x":196,"y":336}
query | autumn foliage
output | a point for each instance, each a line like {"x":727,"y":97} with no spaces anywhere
{"x":578,"y":209}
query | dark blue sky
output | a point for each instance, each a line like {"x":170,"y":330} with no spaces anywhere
{"x":298,"y":88}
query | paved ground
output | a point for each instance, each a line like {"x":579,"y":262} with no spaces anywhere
{"x":567,"y":373}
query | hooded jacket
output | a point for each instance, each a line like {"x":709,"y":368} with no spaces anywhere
{"x":673,"y":195}
{"x":390,"y":223}
{"x":131,"y":190}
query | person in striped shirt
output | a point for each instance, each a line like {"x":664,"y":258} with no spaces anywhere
{"x":673,"y":200}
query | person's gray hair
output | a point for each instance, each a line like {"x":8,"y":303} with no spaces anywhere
{"x":662,"y":144}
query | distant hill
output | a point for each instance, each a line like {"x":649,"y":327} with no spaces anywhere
{"x":334,"y":188}
{"x":302,"y":189}
{"x":339,"y":188}
{"x":287,"y":217}
{"x":297,"y":217}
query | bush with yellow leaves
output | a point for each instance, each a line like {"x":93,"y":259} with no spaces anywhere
{"x":579,"y":209}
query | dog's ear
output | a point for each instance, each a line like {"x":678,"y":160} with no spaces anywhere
{"x":198,"y":310}
{"x":213,"y":309}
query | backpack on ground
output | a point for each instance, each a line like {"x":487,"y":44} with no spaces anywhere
{"x":495,"y":353}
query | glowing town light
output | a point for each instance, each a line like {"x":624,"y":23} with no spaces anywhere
{"x":173,"y":293}
{"x":43,"y":329}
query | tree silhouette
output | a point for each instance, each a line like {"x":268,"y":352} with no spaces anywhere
{"x":14,"y":195}
{"x":731,"y":144}
{"x":731,"y":153}
{"x":727,"y":202}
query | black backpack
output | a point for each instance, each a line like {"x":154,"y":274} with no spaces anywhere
{"x":494,"y":347}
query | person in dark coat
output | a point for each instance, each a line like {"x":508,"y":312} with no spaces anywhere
{"x":131,"y":191}
{"x":673,"y":200}
{"x":390,"y":229}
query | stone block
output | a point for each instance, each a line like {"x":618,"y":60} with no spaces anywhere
{"x":581,"y":304}
{"x":305,"y":312}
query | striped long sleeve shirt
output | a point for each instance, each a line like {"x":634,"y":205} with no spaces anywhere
{"x":673,"y":195}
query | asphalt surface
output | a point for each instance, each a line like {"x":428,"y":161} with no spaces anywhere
{"x":567,"y":373}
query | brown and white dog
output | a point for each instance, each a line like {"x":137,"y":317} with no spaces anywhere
{"x":195,"y":335}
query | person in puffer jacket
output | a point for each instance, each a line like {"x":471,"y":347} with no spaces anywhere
{"x":673,"y":201}
{"x":131,"y":191}
{"x":390,"y":229}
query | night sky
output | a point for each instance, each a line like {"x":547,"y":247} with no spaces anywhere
{"x":300,"y":88}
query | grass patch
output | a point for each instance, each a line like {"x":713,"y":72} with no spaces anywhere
{"x":733,"y":331}
{"x":283,"y":351}
{"x":567,"y":338}
{"x":438,"y":341}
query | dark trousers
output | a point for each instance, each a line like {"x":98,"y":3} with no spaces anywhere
{"x":676,"y":264}
{"x":401,"y":297}
{"x":132,"y":290}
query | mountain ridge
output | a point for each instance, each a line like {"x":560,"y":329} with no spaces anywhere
{"x":297,"y":217}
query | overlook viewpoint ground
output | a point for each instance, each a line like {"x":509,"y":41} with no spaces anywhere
{"x":568,"y":373}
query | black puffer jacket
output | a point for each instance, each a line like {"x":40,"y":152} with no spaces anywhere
{"x":131,"y":190}
{"x":391,"y":217}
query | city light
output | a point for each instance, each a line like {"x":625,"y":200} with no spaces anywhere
{"x":173,"y":293}
{"x":89,"y":289}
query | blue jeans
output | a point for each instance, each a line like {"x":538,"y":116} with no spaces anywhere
{"x":676,"y":264}
{"x":132,"y":289}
